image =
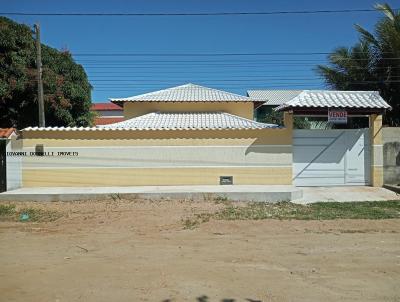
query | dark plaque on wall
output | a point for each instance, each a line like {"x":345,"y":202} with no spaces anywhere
{"x":226,"y":180}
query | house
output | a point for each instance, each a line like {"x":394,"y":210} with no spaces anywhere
{"x":271,"y":99}
{"x":195,"y":135}
{"x":107,"y":113}
{"x":185,"y":135}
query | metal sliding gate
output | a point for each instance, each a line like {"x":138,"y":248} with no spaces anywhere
{"x":331,"y":157}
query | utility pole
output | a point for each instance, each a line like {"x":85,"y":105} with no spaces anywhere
{"x":39,"y":76}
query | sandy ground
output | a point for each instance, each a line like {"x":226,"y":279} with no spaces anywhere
{"x":139,"y":251}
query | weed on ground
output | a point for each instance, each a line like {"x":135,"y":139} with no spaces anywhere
{"x":10,"y":212}
{"x":288,"y":210}
{"x":314,"y":211}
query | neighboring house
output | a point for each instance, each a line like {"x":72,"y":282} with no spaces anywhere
{"x":107,"y":113}
{"x":6,"y":133}
{"x":270,"y":99}
{"x":195,"y":135}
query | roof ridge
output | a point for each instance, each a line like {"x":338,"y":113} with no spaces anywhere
{"x":223,"y":91}
{"x":209,"y":94}
{"x":274,"y":89}
{"x":341,"y":91}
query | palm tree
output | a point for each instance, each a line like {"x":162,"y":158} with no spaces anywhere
{"x":372,"y":64}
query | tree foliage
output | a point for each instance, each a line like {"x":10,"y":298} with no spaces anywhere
{"x":67,"y":92}
{"x":371,"y":64}
{"x":276,"y":117}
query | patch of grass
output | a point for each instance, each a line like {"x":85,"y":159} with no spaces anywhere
{"x":7,"y":209}
{"x":288,"y":210}
{"x":222,"y":200}
{"x":196,"y":220}
{"x":115,"y":196}
{"x":315,"y":211}
{"x":39,"y":215}
{"x":10,"y":212}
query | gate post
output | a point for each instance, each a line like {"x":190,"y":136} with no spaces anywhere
{"x":288,"y":123}
{"x":375,"y":125}
{"x":288,"y":120}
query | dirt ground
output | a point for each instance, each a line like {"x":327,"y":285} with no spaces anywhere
{"x":139,"y":251}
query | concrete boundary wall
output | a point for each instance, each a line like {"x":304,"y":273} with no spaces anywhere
{"x":180,"y":157}
{"x":391,"y":155}
{"x":13,"y":166}
{"x":140,"y":158}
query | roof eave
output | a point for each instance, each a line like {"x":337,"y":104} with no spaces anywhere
{"x":148,"y":129}
{"x":296,"y":109}
{"x":122,"y":101}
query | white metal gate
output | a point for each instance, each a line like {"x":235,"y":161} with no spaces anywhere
{"x":331,"y":157}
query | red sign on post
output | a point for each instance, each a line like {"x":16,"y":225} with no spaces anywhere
{"x":337,"y":116}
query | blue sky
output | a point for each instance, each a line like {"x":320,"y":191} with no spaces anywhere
{"x":119,"y":76}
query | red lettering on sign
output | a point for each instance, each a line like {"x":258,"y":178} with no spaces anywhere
{"x":337,"y":116}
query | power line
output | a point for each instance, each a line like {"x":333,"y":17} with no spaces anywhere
{"x":151,"y":73}
{"x":113,"y":78}
{"x":132,"y":90}
{"x":93,"y":54}
{"x":212,"y":68}
{"x":280,"y":76}
{"x":237,"y":85}
{"x":265,"y":13}
{"x":220,"y":63}
{"x":224,"y":58}
{"x":193,"y":54}
{"x":126,"y":79}
{"x":212,"y":80}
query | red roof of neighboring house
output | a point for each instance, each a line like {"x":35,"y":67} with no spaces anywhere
{"x":107,"y":120}
{"x":105,"y":106}
{"x":6,"y":132}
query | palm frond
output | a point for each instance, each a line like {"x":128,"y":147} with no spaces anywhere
{"x":366,"y":35}
{"x":387,"y":10}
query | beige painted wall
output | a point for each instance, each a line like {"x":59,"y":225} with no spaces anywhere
{"x":160,"y":176}
{"x":391,"y":154}
{"x":134,"y":109}
{"x":375,"y":124}
{"x":129,"y":158}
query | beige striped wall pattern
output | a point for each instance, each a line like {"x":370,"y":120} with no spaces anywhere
{"x":128,"y":158}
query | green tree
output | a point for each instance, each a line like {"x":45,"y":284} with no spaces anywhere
{"x":276,"y":117}
{"x":371,"y":64}
{"x":67,"y":91}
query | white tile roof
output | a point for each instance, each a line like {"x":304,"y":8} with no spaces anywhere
{"x":273,"y":97}
{"x":338,"y":99}
{"x":172,"y":121}
{"x":189,"y":121}
{"x":186,"y":93}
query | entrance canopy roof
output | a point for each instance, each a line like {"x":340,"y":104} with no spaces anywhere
{"x":324,"y":99}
